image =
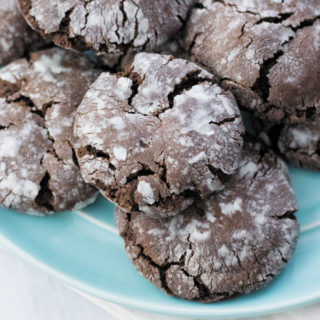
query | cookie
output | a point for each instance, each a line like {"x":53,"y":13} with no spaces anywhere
{"x":298,"y":143}
{"x":234,"y":242}
{"x":38,"y":98}
{"x":106,"y":26}
{"x":155,"y":138}
{"x":266,"y":52}
{"x":17,"y":38}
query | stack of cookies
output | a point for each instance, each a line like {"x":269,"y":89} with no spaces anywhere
{"x":140,"y":101}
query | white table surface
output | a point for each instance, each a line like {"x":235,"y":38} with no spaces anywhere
{"x":26,"y":293}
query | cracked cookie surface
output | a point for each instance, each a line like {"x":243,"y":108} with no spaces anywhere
{"x":38,"y":98}
{"x":16,"y":36}
{"x":234,"y":242}
{"x":266,"y":52}
{"x":298,"y":143}
{"x":156,"y":137}
{"x":107,"y":26}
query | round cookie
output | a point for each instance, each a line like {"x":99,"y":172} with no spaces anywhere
{"x":106,"y":26}
{"x":234,"y":242}
{"x":298,"y":143}
{"x":266,"y":52}
{"x":16,"y":36}
{"x":38,"y":98}
{"x":157,"y":137}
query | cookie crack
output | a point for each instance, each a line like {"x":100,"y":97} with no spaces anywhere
{"x":236,"y":8}
{"x":41,"y":112}
{"x":6,"y":196}
{"x":27,"y":102}
{"x":44,"y":197}
{"x":186,"y":194}
{"x":136,"y":82}
{"x":290,"y":214}
{"x":143,"y":172}
{"x":277,"y":19}
{"x":203,"y":291}
{"x":6,"y":127}
{"x":86,"y":15}
{"x":225,"y":120}
{"x":74,"y":155}
{"x":190,"y":80}
{"x":88,"y":149}
{"x":77,"y":42}
{"x":305,"y":23}
{"x":163,"y":175}
{"x":239,"y":262}
{"x":262,"y":85}
{"x":259,"y":264}
{"x":124,"y":14}
{"x":161,"y":269}
{"x":217,"y":172}
{"x":124,"y":47}
{"x":283,"y":259}
{"x":193,"y":42}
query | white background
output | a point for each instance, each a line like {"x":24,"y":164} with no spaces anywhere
{"x":26,"y":293}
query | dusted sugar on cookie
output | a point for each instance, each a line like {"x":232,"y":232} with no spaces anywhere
{"x":106,"y":26}
{"x":234,"y":242}
{"x":266,"y":52}
{"x":16,"y":37}
{"x":298,"y":143}
{"x":154,"y":139}
{"x":38,"y":98}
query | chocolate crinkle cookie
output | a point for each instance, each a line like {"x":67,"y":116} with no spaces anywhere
{"x":298,"y":143}
{"x":234,"y":242}
{"x":266,"y":52}
{"x":38,"y":98}
{"x":16,"y":37}
{"x":106,"y":26}
{"x":158,"y":136}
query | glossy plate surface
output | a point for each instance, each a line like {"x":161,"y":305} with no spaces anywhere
{"x":84,"y":250}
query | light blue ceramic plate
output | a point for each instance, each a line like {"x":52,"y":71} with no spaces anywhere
{"x":84,"y":250}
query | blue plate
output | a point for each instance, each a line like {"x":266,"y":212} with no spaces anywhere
{"x":84,"y":250}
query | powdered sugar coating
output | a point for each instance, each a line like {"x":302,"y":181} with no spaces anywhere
{"x":39,"y":97}
{"x":16,"y":36}
{"x":206,"y":253}
{"x":266,"y":52}
{"x":106,"y":26}
{"x":165,"y":125}
{"x":299,"y":143}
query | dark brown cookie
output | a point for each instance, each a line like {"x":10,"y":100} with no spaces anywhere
{"x":232,"y":243}
{"x":106,"y":26}
{"x":38,"y":99}
{"x":16,"y":37}
{"x":298,"y":143}
{"x":266,"y":52}
{"x":157,"y":137}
